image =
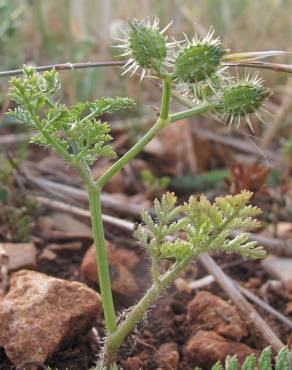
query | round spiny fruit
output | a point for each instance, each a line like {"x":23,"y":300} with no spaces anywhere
{"x":146,"y":45}
{"x":198,"y":60}
{"x":243,"y":98}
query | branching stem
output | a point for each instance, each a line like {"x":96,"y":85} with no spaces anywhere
{"x":162,"y":121}
{"x":115,"y":339}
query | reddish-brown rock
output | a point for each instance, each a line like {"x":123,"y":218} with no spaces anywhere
{"x":218,"y":314}
{"x":205,"y":348}
{"x":121,"y":262}
{"x":167,"y":356}
{"x":40,"y":312}
{"x":132,"y":363}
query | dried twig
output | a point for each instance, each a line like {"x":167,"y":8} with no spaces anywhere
{"x":14,"y":138}
{"x":60,"y":206}
{"x":62,"y":190}
{"x":119,"y":63}
{"x":274,"y":246}
{"x":4,"y":260}
{"x":261,"y":65}
{"x":67,"y":66}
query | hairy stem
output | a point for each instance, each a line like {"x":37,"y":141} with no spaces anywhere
{"x":203,"y":108}
{"x":155,"y":269}
{"x":97,"y":225}
{"x":115,"y":340}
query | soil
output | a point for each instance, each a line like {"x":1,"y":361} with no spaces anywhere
{"x":166,"y":322}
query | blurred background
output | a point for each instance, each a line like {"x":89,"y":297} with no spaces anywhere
{"x":41,"y":32}
{"x":55,"y":31}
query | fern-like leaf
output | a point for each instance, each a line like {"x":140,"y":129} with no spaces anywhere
{"x":74,"y":132}
{"x":265,"y":359}
{"x":231,"y":363}
{"x":283,"y":361}
{"x":206,"y":227}
{"x":249,"y":363}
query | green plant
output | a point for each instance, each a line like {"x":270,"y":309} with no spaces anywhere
{"x":154,"y":185}
{"x":78,"y":135}
{"x":15,"y":208}
{"x":10,"y":12}
{"x":283,"y":361}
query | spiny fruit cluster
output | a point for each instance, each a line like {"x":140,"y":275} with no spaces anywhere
{"x":194,"y":67}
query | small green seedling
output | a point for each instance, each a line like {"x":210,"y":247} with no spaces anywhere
{"x":178,"y":233}
{"x":283,"y":361}
{"x":154,"y":185}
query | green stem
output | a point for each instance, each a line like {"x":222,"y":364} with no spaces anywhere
{"x":139,"y":146}
{"x":203,"y":108}
{"x":155,"y":268}
{"x":97,"y":225}
{"x":102,"y":261}
{"x":116,"y":339}
{"x":132,"y":153}
{"x":166,"y":89}
{"x":59,"y":149}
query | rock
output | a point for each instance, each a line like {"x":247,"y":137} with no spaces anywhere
{"x":121,"y":263}
{"x":20,"y":255}
{"x":167,"y":356}
{"x":218,"y":314}
{"x":132,"y":363}
{"x":48,"y":255}
{"x":40,"y":312}
{"x":205,"y":348}
{"x":63,"y":226}
{"x":279,"y":268}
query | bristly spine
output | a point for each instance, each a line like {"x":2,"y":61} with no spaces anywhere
{"x":145,"y":46}
{"x":198,"y":59}
{"x":242,"y":99}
